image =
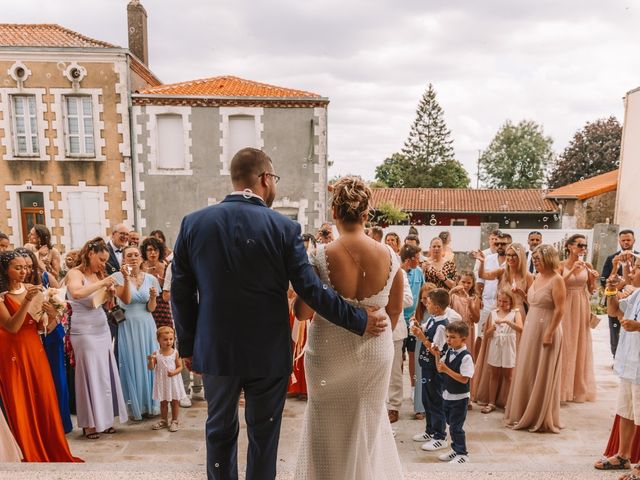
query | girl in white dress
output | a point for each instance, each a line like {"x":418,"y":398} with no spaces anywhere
{"x":501,"y":328}
{"x":167,"y":382}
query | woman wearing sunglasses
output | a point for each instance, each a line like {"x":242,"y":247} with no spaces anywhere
{"x":578,"y":382}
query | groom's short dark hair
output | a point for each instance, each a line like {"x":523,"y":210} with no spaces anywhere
{"x":247,"y":164}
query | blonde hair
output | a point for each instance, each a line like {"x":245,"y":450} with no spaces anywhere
{"x":509,"y":295}
{"x":522,"y":260}
{"x":162,"y":330}
{"x":351,"y":197}
{"x":548,"y":256}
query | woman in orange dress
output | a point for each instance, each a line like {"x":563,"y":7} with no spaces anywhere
{"x":26,"y":386}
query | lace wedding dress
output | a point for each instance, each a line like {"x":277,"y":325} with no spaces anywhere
{"x":346,"y":433}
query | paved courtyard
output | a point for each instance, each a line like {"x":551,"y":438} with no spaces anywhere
{"x":496,"y":452}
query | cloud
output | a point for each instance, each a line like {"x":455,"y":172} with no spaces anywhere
{"x":558,"y":63}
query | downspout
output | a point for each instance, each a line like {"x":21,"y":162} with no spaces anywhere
{"x":134,"y":152}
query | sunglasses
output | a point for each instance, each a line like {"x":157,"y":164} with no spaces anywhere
{"x":501,"y":244}
{"x":581,"y":245}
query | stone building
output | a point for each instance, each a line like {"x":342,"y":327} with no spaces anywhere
{"x":65,"y":150}
{"x":187,"y":133}
{"x":587,"y":202}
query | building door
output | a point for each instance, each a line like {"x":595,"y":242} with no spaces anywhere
{"x":31,"y":212}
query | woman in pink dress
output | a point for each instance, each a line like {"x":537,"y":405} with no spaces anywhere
{"x":578,"y":382}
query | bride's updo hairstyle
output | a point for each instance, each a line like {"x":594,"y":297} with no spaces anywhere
{"x":351,"y":197}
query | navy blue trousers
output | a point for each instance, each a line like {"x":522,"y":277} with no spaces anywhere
{"x":456,"y":413}
{"x":264,"y":402}
{"x":432,"y":387}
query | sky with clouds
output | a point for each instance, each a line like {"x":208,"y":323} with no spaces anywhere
{"x":559,"y":63}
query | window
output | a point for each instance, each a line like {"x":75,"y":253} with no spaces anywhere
{"x":25,"y":125}
{"x":459,"y":222}
{"x":84,"y":217}
{"x":170,"y":142}
{"x":79,"y":132}
{"x":242,"y":133}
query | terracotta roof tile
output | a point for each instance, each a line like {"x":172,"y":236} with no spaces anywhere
{"x":465,"y":200}
{"x":45,"y":35}
{"x":591,"y":187}
{"x":227,"y":86}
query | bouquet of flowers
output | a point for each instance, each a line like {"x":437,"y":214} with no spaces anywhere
{"x":56,"y":297}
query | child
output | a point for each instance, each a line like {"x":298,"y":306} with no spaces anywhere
{"x":465,"y":301}
{"x":500,"y":332}
{"x":433,"y":342}
{"x":421,"y":315}
{"x":497,"y":357}
{"x":456,"y":365}
{"x":167,"y":383}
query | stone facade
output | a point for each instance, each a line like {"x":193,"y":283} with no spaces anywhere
{"x":585,"y":214}
{"x":71,"y":168}
{"x":293,"y":135}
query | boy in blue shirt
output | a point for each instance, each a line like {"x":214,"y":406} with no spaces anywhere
{"x":434,"y":343}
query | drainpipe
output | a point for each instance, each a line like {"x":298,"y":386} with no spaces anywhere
{"x":134,"y":153}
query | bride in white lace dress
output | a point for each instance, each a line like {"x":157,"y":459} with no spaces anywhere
{"x":346,"y":433}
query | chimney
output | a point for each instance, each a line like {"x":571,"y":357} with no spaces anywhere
{"x":137,"y":23}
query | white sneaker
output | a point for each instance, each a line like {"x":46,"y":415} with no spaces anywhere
{"x":446,"y":457}
{"x":421,"y":437}
{"x":433,"y":445}
{"x":185,"y":402}
{"x":460,"y":459}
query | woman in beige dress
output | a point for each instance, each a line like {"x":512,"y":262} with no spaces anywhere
{"x":534,"y":399}
{"x":578,"y":382}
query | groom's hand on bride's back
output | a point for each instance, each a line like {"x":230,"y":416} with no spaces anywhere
{"x":377,"y":321}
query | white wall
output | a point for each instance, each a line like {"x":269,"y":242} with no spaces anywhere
{"x":627,"y":211}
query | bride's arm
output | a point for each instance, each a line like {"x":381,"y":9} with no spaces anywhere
{"x":301,"y":310}
{"x":396,"y":298}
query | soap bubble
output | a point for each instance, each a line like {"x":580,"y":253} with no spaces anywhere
{"x":546,"y":227}
{"x":323,"y":383}
{"x":246,"y":193}
{"x":433,"y":222}
{"x":324,"y":286}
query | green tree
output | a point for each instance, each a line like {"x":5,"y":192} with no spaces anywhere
{"x":388,"y":213}
{"x":427,"y":158}
{"x":517,"y":156}
{"x":594,"y":149}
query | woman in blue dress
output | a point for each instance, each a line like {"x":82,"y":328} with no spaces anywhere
{"x":137,"y":337}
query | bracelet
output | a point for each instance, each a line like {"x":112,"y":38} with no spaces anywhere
{"x":610,"y":293}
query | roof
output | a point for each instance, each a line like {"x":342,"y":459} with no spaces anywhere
{"x":591,"y":187}
{"x":465,"y":200}
{"x":227,"y":86}
{"x":45,"y":35}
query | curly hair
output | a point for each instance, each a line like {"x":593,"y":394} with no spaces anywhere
{"x":35,"y":277}
{"x":43,"y":234}
{"x":95,"y":245}
{"x":5,"y":259}
{"x":351,"y":197}
{"x":156,"y":244}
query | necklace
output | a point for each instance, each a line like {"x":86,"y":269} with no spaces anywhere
{"x":364,"y":274}
{"x":18,"y":290}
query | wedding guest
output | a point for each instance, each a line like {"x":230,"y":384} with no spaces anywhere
{"x":437,"y":269}
{"x":410,"y":258}
{"x":376,"y":233}
{"x":496,"y":363}
{"x":9,"y":448}
{"x":447,"y":252}
{"x":159,"y":235}
{"x":534,"y":399}
{"x":166,"y":364}
{"x":53,"y":341}
{"x":467,"y":303}
{"x":26,"y":387}
{"x":137,"y":334}
{"x":97,"y":380}
{"x":119,"y":239}
{"x":412,"y":239}
{"x":622,"y":447}
{"x":578,"y":380}
{"x":393,"y":240}
{"x":325,"y":233}
{"x":153,"y":254}
{"x":493,"y":238}
{"x":48,"y":255}
{"x":70,"y":261}
{"x":4,"y":242}
{"x":533,"y":240}
{"x":134,"y":238}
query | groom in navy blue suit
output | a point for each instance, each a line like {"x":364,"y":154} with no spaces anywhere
{"x":231,"y":271}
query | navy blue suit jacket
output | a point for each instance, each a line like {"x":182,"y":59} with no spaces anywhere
{"x":232,"y":266}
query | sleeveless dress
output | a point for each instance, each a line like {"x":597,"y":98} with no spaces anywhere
{"x":29,"y":395}
{"x":346,"y":432}
{"x":136,"y":341}
{"x":578,"y":382}
{"x":534,"y":399}
{"x":166,"y":388}
{"x":502,"y":348}
{"x":97,"y":381}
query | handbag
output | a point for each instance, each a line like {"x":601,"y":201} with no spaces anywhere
{"x":594,"y":320}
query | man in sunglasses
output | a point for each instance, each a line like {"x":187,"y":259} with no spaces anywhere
{"x":626,"y":239}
